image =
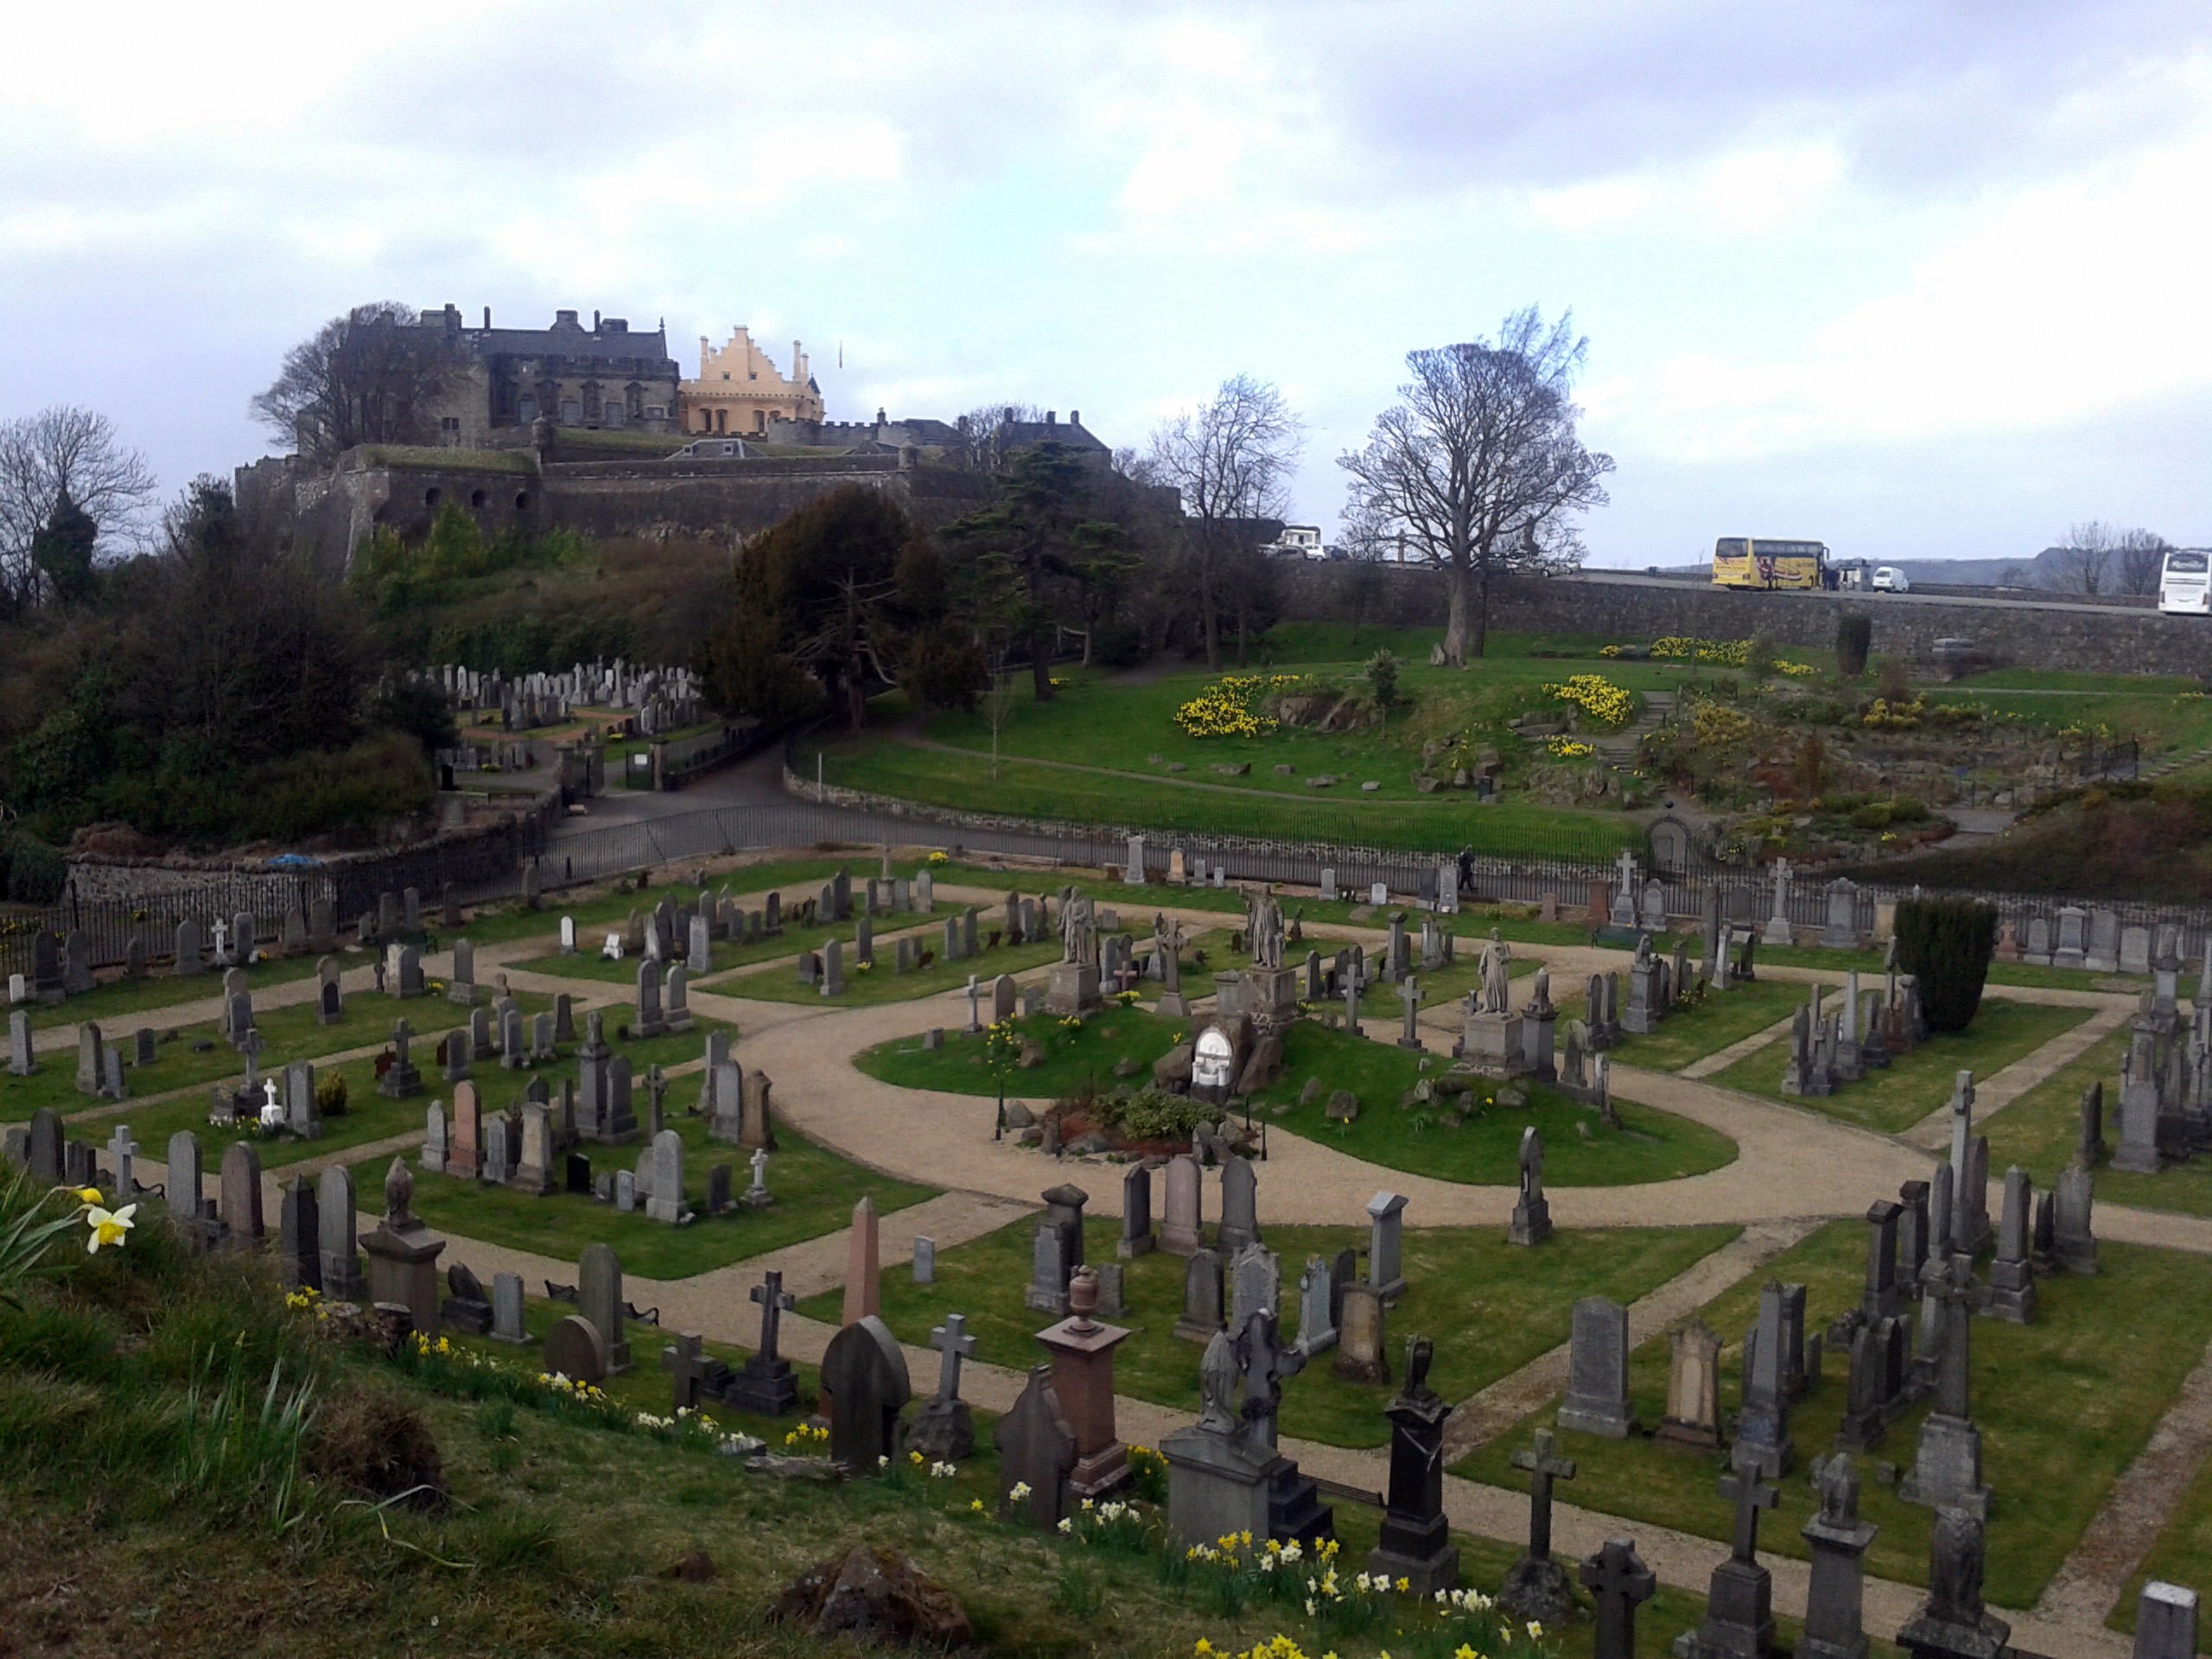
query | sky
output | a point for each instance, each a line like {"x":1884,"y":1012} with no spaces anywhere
{"x":1920,"y":279}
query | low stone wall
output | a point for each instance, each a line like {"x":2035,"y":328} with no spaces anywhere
{"x":2101,"y":639}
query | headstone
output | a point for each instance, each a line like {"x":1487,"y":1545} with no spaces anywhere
{"x":2011,"y":1279}
{"x":1137,"y":1237}
{"x":665,"y":1202}
{"x":1531,"y":1222}
{"x":1692,"y":1387}
{"x":2165,"y":1622}
{"x":1203,"y":1298}
{"x":1954,"y":1622}
{"x":1597,"y":1390}
{"x":765,"y":1383}
{"x":22,"y":1060}
{"x":864,"y":1375}
{"x":1833,"y":1627}
{"x":1619,"y":1583}
{"x":1037,"y":1454}
{"x":944,"y":1431}
{"x":1946,"y":1467}
{"x":2074,"y":1241}
{"x":1183,"y":1230}
{"x":507,"y":1310}
{"x":1240,"y":1222}
{"x":576,"y":1349}
{"x":599,"y":1296}
{"x":336,"y":1241}
{"x":863,"y":1293}
{"x":241,"y":1196}
{"x":1386,"y":1228}
{"x":1763,"y":1439}
{"x":1415,"y":1550}
{"x":1739,"y":1621}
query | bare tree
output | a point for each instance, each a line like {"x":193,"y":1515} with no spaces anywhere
{"x":979,"y":431}
{"x":64,"y":460}
{"x":1478,"y":466}
{"x":2084,"y":563}
{"x":1231,"y":460}
{"x":2142,"y":561}
{"x":369,"y":377}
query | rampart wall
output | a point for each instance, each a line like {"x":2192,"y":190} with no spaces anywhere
{"x":2089,"y":639}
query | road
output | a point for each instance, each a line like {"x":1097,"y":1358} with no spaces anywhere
{"x":1977,"y":599}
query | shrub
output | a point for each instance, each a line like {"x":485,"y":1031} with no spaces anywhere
{"x":1945,"y":943}
{"x":1896,"y":682}
{"x":330,"y":1094}
{"x":31,"y":872}
{"x":1119,"y":643}
{"x":1154,"y":1114}
{"x":1758,"y":658}
{"x":1382,"y":672}
{"x":1854,"y":637}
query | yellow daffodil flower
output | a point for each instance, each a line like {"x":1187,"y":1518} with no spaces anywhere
{"x":108,"y":1226}
{"x":88,"y":1195}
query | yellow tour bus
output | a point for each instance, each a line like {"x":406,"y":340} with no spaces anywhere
{"x":1758,"y":562}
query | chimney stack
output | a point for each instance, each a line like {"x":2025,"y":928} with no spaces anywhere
{"x":487,"y":318}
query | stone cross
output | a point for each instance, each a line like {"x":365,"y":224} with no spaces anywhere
{"x":1544,"y":1466}
{"x":1618,"y":1582}
{"x":758,"y":1190}
{"x":1749,"y":1494}
{"x":952,"y":1341}
{"x":1409,"y":994}
{"x":774,"y":1302}
{"x":121,"y":1150}
{"x":687,"y":1366}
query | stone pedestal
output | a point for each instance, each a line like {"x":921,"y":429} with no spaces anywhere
{"x":1492,"y":1043}
{"x":1947,"y":1472}
{"x":1072,"y":988}
{"x":1532,"y":1220}
{"x":1214,"y":1487}
{"x":1271,"y":996}
{"x":1738,"y":1615}
{"x":403,"y":1268}
{"x":1083,"y":1378}
{"x":1537,"y":1049}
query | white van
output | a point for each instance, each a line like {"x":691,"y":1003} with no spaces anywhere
{"x":1888,"y":579}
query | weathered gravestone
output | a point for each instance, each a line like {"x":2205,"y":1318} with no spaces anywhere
{"x":864,"y":1377}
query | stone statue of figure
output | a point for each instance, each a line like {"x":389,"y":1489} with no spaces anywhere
{"x":1532,"y":1162}
{"x":1540,"y":989}
{"x":1420,"y":1352}
{"x":1078,"y":942}
{"x":1955,"y":1566}
{"x":1267,"y":931}
{"x":1838,"y":1481}
{"x":1217,"y":1373}
{"x":1497,"y":975}
{"x":398,"y":1192}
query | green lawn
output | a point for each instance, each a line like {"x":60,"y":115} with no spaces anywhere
{"x":116,"y":1000}
{"x":2065,"y":1405}
{"x":2184,"y":1548}
{"x":1578,"y":1149}
{"x":815,"y":1191}
{"x":588,"y":963}
{"x":1725,"y":1017}
{"x":1072,"y":1059}
{"x":1490,"y":1306}
{"x":1026,"y":789}
{"x":797,"y":878}
{"x":1915,"y":1085}
{"x":1443,"y":986}
{"x":2040,"y":1131}
{"x":288,"y":1033}
{"x":781,"y":982}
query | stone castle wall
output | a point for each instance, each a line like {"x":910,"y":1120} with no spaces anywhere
{"x":2095,"y":640}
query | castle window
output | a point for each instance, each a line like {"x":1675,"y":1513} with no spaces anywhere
{"x":449,"y":431}
{"x":478,"y":499}
{"x":614,"y":414}
{"x":655,"y":411}
{"x":522,"y":501}
{"x":572,"y":412}
{"x":525,"y":410}
{"x":430,"y":497}
{"x":760,"y":420}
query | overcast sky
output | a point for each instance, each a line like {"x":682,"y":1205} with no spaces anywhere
{"x":1918,"y":279}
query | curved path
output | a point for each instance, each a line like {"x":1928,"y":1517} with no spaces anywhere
{"x":1795,"y":1168}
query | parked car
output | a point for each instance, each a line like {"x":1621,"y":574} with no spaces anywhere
{"x":1888,"y":579}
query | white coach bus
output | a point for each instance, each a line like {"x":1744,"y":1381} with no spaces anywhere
{"x":2185,"y":583}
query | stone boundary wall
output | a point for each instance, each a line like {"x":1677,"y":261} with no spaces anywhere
{"x":2094,"y":639}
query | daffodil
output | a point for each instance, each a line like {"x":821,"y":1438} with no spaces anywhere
{"x":108,"y":1226}
{"x":88,"y":1195}
{"x":975,"y":1504}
